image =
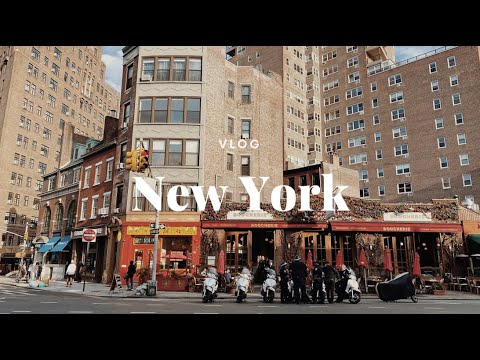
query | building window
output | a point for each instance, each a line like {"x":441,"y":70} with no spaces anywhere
{"x":175,"y":152}
{"x":245,"y":129}
{"x":129,"y":83}
{"x":195,"y":70}
{"x":398,"y":114}
{"x":439,"y":123}
{"x":467,"y":179}
{"x":458,"y":118}
{"x":106,"y":200}
{"x":230,"y":162}
{"x":441,"y":142}
{"x":373,"y":87}
{"x":376,"y":119}
{"x":94,"y":207}
{"x":461,"y":139}
{"x":437,"y":104}
{"x":126,"y":114}
{"x":381,"y":190}
{"x":432,"y":67}
{"x":230,"y":125}
{"x":246,"y":94}
{"x":380,"y":173}
{"x":453,"y":80}
{"x":402,"y":169}
{"x":374,"y":103}
{"x":243,"y":198}
{"x":401,"y":150}
{"x":363,"y":175}
{"x":83,"y":211}
{"x":456,"y":99}
{"x":86,"y":181}
{"x":446,"y":182}
{"x":394,"y":80}
{"x":404,"y":188}
{"x":435,"y":86}
{"x":378,"y":136}
{"x":97,"y":174}
{"x":464,"y":159}
{"x":364,"y":193}
{"x":354,"y":77}
{"x":245,"y":169}
{"x":35,"y":54}
{"x":379,"y":154}
{"x":443,"y":162}
{"x":109,"y":170}
{"x":148,"y":69}
{"x":231,"y":90}
{"x":451,"y":61}
{"x":170,"y":110}
{"x":179,"y":69}
{"x":396,"y":96}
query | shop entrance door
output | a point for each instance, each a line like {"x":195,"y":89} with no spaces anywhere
{"x":237,"y":250}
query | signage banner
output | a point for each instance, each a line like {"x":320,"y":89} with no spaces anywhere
{"x":408,"y":216}
{"x":169,"y":230}
{"x":249,"y":215}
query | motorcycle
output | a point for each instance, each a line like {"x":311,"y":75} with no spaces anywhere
{"x":243,"y":282}
{"x":352,"y":291}
{"x":268,"y":287}
{"x":210,"y":286}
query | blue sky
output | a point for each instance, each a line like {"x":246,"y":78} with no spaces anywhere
{"x":112,"y":57}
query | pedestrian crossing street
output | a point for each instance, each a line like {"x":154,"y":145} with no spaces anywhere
{"x":10,"y":291}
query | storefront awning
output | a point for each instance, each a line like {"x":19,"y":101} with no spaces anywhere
{"x":232,"y":224}
{"x":396,"y":227}
{"x":51,"y":242}
{"x":62,"y":244}
{"x":474,"y":243}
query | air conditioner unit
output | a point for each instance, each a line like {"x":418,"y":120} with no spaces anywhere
{"x":146,"y":77}
{"x":366,"y":180}
{"x":51,"y":86}
{"x":120,"y":166}
{"x":5,"y":221}
{"x":69,"y":98}
{"x":405,"y":156}
{"x":53,"y":70}
{"x":360,"y":112}
{"x":245,"y":136}
{"x":404,"y":137}
{"x":362,"y":129}
{"x":40,"y":170}
{"x":74,"y":71}
{"x":364,"y":145}
{"x":67,"y":113}
{"x":12,"y":181}
{"x":365,"y":162}
{"x":42,"y":152}
{"x":33,"y":54}
{"x":402,"y":119}
{"x":410,"y":194}
{"x":15,"y":162}
{"x":399,"y":84}
{"x":9,"y":201}
{"x":24,"y":106}
{"x":116,"y":210}
{"x":408,"y":175}
{"x":103,"y":211}
{"x":19,"y":143}
{"x":29,"y":71}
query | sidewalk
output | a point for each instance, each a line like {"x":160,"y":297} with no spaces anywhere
{"x":103,"y":290}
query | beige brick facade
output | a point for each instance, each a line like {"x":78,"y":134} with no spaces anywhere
{"x":42,"y":88}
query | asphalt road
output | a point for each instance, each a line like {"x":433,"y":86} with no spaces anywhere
{"x":14,"y":300}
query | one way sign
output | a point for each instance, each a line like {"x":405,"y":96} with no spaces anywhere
{"x":162,"y":226}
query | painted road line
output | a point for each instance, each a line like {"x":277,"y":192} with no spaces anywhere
{"x":433,"y":308}
{"x":21,"y":311}
{"x":4,"y":313}
{"x":213,"y":305}
{"x":48,"y":302}
{"x":102,"y":303}
{"x":267,"y":306}
{"x":205,"y":313}
{"x":80,"y":312}
{"x":376,"y":307}
{"x":154,"y":304}
{"x":142,"y":312}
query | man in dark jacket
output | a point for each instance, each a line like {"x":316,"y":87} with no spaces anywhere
{"x":132,"y":269}
{"x":299,"y":275}
{"x":317,"y":286}
{"x":330,"y":275}
{"x":284,"y":293}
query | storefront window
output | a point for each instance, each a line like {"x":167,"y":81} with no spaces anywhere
{"x":91,"y":260}
{"x":401,"y":254}
{"x":321,"y":251}
{"x":335,"y":249}
{"x":175,"y":249}
{"x":139,"y":259}
{"x":348,"y":246}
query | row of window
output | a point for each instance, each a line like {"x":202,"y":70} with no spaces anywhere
{"x":171,"y":69}
{"x":17,"y":179}
{"x":173,"y":110}
{"x":172,"y":152}
{"x":14,"y":199}
{"x":104,"y":204}
{"x":20,"y":160}
{"x":98,"y":173}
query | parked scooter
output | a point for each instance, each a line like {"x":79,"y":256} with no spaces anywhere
{"x":210,"y":285}
{"x":268,"y":287}
{"x":348,"y":287}
{"x":243,"y":282}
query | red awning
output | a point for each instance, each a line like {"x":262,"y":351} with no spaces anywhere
{"x":395,"y":227}
{"x":227,"y":224}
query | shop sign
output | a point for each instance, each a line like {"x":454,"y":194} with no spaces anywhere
{"x":78,"y":233}
{"x":169,"y":230}
{"x":249,"y":215}
{"x":143,"y":240}
{"x":408,"y":216}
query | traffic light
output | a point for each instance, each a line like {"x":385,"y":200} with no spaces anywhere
{"x":132,"y":160}
{"x":143,"y":165}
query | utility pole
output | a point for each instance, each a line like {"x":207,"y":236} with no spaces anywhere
{"x":155,"y":239}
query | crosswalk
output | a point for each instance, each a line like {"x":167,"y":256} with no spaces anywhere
{"x":8,"y":291}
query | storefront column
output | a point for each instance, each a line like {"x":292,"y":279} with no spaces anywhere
{"x":278,"y":249}
{"x":109,"y":258}
{"x":438,"y":241}
{"x":395,"y":258}
{"x":328,"y":248}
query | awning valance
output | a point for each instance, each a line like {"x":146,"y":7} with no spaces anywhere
{"x":62,"y":244}
{"x":396,"y":227}
{"x":49,"y":245}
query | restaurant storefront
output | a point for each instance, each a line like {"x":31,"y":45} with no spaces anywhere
{"x":91,"y":254}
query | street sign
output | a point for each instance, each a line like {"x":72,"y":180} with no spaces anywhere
{"x":162,"y":226}
{"x":89,"y":235}
{"x":152,"y":225}
{"x":154,"y":231}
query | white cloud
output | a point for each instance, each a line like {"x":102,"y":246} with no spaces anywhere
{"x":407,"y":52}
{"x":112,"y":57}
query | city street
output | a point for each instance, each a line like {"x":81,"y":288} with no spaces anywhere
{"x":15,"y":300}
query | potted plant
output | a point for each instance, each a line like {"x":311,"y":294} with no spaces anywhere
{"x":143,"y":275}
{"x":437,"y":288}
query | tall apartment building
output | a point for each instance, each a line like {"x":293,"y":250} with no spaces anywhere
{"x":201,"y":118}
{"x":42,"y":88}
{"x":408,"y":127}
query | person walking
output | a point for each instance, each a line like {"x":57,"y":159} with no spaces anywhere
{"x":285,"y":295}
{"x":71,"y":269}
{"x":132,"y":269}
{"x":317,"y":287}
{"x":299,"y":276}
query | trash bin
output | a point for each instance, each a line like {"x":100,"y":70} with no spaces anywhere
{"x":151,"y":288}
